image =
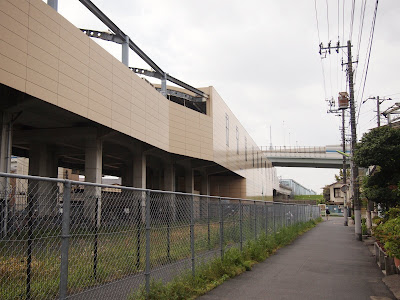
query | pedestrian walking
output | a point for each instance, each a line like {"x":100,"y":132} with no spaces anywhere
{"x":327,"y":213}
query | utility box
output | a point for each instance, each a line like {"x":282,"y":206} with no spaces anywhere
{"x":343,"y":100}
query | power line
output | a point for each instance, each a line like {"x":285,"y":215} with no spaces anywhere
{"x":352,"y":19}
{"x":327,"y":17}
{"x":319,"y":41}
{"x":362,"y":14}
{"x":369,"y":55}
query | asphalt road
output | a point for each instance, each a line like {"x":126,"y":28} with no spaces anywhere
{"x":325,"y":263}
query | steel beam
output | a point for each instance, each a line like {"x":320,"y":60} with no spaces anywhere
{"x":186,"y":86}
{"x":182,"y":95}
{"x":102,"y":17}
{"x":103,"y":35}
{"x":122,"y":36}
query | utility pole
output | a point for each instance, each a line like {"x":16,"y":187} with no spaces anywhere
{"x":354,"y":167}
{"x":354,"y":171}
{"x":379,"y":101}
{"x":345,"y":208}
{"x":370,"y":205}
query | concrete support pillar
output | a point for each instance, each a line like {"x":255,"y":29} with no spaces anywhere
{"x":5,"y":164}
{"x":127,"y":176}
{"x":189,"y":179}
{"x":169,"y":185}
{"x":205,"y":185}
{"x":93,"y":173}
{"x":169,"y":177}
{"x":6,"y":142}
{"x":43,"y":163}
{"x":139,"y":169}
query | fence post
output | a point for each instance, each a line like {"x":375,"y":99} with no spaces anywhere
{"x":29,"y":247}
{"x":266,"y":218}
{"x":208,"y":223}
{"x":255,"y":220}
{"x":65,"y":240}
{"x":192,"y":233}
{"x":169,"y":232}
{"x":273,"y":217}
{"x":147,"y":267}
{"x":95,"y":239}
{"x":241,"y":224}
{"x":221,"y":228}
{"x":139,"y":221}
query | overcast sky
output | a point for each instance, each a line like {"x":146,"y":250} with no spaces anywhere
{"x":262,"y":58}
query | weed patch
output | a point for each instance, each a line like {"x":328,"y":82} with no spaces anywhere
{"x":215,"y":272}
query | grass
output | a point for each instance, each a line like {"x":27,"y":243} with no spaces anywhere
{"x":308,"y":197}
{"x":118,"y":255}
{"x":215,"y":272}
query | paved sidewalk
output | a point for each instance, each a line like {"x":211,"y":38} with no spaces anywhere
{"x":325,"y":263}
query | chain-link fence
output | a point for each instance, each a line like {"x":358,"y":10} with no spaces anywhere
{"x":76,"y":240}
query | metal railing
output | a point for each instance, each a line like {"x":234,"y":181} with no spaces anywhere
{"x":76,"y":240}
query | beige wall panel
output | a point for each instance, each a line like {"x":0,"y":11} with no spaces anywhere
{"x":102,"y":90}
{"x":122,"y":127}
{"x":13,"y":25}
{"x":44,"y":19}
{"x":98,"y":54}
{"x":122,"y":72}
{"x":41,"y":93}
{"x":73,"y":35}
{"x":76,"y":75}
{"x":120,"y":110}
{"x":47,"y":10}
{"x":13,"y":39}
{"x":122,"y":88}
{"x":12,"y":80}
{"x":121,"y":119}
{"x":138,"y":127}
{"x":43,"y":44}
{"x":137,"y":114}
{"x":101,"y":100}
{"x":177,"y":150}
{"x":178,"y":144}
{"x":176,"y":134}
{"x":13,"y":53}
{"x":20,"y":4}
{"x":100,"y":73}
{"x":41,"y":80}
{"x":43,"y":56}
{"x":76,"y":39}
{"x":152,"y":126}
{"x":12,"y":66}
{"x":99,"y":108}
{"x":77,"y":58}
{"x":72,"y":106}
{"x":138,"y":104}
{"x":45,"y":32}
{"x":120,"y":97}
{"x":14,"y":12}
{"x":70,"y":94}
{"x":138,"y":134}
{"x":73,"y":84}
{"x":42,"y":68}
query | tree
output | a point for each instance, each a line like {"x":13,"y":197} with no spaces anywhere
{"x":326,"y":194}
{"x":381,"y":148}
{"x":339,"y":178}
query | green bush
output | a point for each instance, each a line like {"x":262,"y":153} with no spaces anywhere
{"x":388,"y":232}
{"x":364,"y":226}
